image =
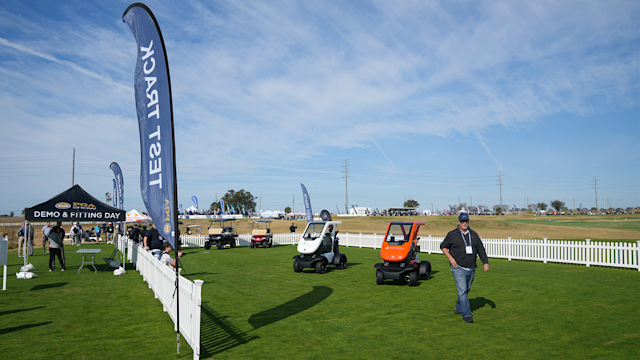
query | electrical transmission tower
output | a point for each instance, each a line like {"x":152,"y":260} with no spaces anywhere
{"x":500,"y":182}
{"x":346,"y":189}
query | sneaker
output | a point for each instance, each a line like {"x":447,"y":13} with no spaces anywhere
{"x":468,"y":319}
{"x":65,"y":269}
{"x":50,"y":270}
{"x":457,"y":312}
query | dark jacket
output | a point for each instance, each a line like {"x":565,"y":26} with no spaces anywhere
{"x":456,"y":246}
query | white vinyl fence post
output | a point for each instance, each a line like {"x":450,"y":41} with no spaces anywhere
{"x":195,"y":332}
{"x":546,"y":250}
{"x":429,"y":244}
{"x":587,"y":249}
{"x":375,"y":238}
{"x":637,"y":254}
{"x":509,"y":248}
{"x":360,"y":240}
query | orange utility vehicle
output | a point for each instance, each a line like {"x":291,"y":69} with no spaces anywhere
{"x":400,"y":255}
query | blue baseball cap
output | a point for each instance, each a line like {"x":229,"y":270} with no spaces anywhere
{"x":463,"y":217}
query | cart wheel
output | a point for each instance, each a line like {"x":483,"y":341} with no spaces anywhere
{"x":379,"y":277}
{"x":343,"y":263}
{"x":233,"y":244}
{"x":220,"y":246}
{"x":207,"y":245}
{"x":321,"y":267}
{"x":271,"y":244}
{"x":296,"y":266}
{"x":413,"y":278}
{"x":425,"y":270}
{"x":252,"y":244}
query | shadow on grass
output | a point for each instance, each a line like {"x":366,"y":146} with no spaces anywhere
{"x":48,"y":286}
{"x":218,"y":334}
{"x":480,"y":302}
{"x":349,"y":264}
{"x":22,"y":327}
{"x":19,"y":310}
{"x":292,"y":307}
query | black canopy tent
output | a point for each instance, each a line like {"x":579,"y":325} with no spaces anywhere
{"x":74,"y":204}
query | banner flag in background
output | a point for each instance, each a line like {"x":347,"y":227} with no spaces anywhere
{"x":307,"y":203}
{"x":119,"y":186}
{"x":195,"y":201}
{"x":222,"y":205}
{"x":154,"y":107}
{"x":180,"y":207}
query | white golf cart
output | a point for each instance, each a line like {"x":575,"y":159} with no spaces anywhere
{"x":319,"y":247}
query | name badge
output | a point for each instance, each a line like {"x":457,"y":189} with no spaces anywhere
{"x":469,"y":250}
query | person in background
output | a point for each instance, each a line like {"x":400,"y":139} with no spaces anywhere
{"x":143,"y":232}
{"x":56,"y":238}
{"x":109,"y":232}
{"x":292,"y":228}
{"x":45,"y":236}
{"x":98,"y":230}
{"x":135,"y":234}
{"x":28,"y":235}
{"x":166,"y":258}
{"x":76,"y":231}
{"x":153,"y":241}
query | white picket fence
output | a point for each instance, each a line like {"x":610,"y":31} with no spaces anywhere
{"x":161,"y":280}
{"x":613,"y":254}
{"x":4,"y":255}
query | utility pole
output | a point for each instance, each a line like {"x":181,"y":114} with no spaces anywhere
{"x":346,"y":189}
{"x":500,"y":179}
{"x":595,"y":186}
{"x":293,"y":208}
{"x":604,"y":202}
{"x":73,"y":167}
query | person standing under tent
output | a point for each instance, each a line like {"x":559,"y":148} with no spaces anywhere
{"x":56,"y":238}
{"x":109,"y":232}
{"x":45,"y":236}
{"x":166,"y":258}
{"x":76,"y":230}
{"x":98,"y":230}
{"x":153,"y":241}
{"x":462,"y":246}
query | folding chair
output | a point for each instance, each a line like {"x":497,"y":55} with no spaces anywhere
{"x":112,"y":260}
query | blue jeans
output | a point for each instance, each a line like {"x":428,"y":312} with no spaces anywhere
{"x":464,"y":279}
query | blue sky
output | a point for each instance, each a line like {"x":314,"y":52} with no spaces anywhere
{"x":426,"y":100}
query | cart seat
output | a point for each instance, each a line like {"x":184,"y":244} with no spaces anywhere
{"x":259,"y":232}
{"x":215,"y":231}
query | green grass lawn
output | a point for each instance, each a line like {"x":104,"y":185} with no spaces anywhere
{"x":608,"y":223}
{"x":256,"y":307}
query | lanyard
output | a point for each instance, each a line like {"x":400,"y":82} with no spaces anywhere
{"x":465,"y":239}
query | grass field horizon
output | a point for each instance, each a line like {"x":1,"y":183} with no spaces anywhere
{"x":621,"y":228}
{"x":256,"y":307}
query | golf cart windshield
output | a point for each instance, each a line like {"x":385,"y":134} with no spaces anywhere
{"x":194,"y":230}
{"x":313,"y":230}
{"x":398,"y":233}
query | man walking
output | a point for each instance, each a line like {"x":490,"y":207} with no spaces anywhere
{"x":461,"y":246}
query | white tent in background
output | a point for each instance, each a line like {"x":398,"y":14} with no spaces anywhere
{"x":134,"y":215}
{"x":191,"y":210}
{"x":426,"y":212}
